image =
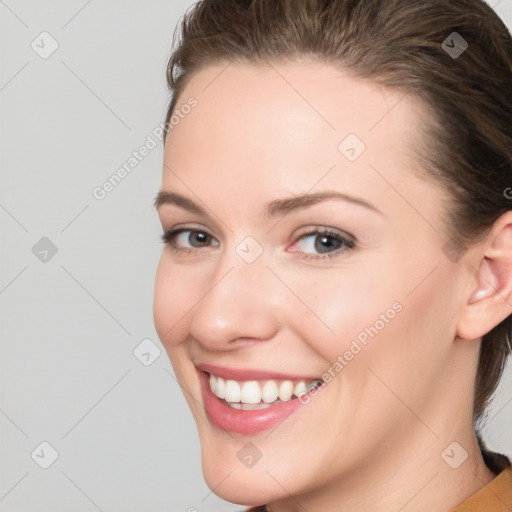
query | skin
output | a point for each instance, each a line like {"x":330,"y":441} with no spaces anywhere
{"x":377,"y":430}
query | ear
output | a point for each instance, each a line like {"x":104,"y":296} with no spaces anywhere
{"x":490,"y":301}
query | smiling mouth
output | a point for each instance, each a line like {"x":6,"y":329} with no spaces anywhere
{"x":249,"y":401}
{"x":259,"y":394}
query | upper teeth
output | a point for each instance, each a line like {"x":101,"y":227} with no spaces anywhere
{"x":253,"y":391}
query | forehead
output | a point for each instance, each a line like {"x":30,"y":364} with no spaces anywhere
{"x":286,"y":126}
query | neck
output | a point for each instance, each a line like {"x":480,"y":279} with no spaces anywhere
{"x":418,"y":479}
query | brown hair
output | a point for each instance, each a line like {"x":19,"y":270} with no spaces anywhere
{"x":467,"y":139}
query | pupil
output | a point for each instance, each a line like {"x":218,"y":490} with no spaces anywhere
{"x":200,"y":237}
{"x":326,"y":240}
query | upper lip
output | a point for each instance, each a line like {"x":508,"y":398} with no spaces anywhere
{"x":242,"y":374}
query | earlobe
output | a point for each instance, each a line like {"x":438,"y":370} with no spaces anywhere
{"x":490,"y":300}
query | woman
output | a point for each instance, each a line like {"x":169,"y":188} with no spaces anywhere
{"x":335,"y":289}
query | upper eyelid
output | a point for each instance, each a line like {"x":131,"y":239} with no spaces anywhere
{"x":307,"y":231}
{"x":193,"y":227}
{"x":327,"y":230}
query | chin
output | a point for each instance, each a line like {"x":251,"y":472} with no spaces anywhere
{"x":230,"y":479}
{"x":246,"y":488}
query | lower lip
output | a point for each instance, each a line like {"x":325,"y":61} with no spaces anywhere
{"x":237,"y":420}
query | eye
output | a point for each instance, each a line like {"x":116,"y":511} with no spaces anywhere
{"x":316,"y":244}
{"x":323,"y":243}
{"x":177,"y":239}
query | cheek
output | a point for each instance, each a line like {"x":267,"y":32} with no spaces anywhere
{"x":172,"y":300}
{"x":342,"y":305}
{"x":372,"y":315}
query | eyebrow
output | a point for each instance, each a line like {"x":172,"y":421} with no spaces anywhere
{"x":274,"y":208}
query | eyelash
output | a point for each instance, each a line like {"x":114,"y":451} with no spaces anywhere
{"x":169,"y":239}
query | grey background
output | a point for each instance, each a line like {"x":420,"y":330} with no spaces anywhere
{"x":69,"y":325}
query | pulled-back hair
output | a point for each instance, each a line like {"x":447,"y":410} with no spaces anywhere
{"x":404,"y":45}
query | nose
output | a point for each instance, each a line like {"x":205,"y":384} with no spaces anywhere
{"x":240,"y":303}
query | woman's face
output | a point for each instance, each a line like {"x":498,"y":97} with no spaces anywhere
{"x":353,"y":289}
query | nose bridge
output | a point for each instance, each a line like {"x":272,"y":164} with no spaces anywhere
{"x":237,"y":302}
